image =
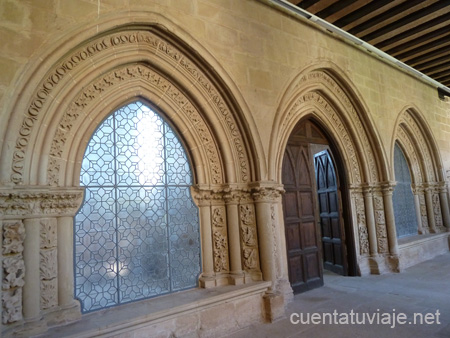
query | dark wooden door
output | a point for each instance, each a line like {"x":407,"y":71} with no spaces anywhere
{"x":330,"y":216}
{"x":303,"y":251}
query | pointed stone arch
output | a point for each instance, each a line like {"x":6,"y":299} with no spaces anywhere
{"x":325,"y":94}
{"x":72,"y":88}
{"x":416,"y":140}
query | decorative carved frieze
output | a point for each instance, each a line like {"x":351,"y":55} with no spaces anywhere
{"x":13,"y":272}
{"x":437,"y":212}
{"x":35,"y":202}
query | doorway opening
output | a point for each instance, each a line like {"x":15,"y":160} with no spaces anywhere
{"x":316,"y":207}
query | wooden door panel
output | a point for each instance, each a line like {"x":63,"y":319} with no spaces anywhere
{"x":291,"y":204}
{"x":306,"y":204}
{"x":303,"y":252}
{"x":293,"y":237}
{"x":327,"y":190}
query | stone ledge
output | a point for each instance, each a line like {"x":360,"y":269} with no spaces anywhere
{"x":149,"y":313}
{"x":417,"y":249}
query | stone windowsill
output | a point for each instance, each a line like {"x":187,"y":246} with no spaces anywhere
{"x":141,"y":313}
{"x":419,"y":239}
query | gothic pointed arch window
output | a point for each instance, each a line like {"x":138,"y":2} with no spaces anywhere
{"x":403,"y":198}
{"x":137,"y":232}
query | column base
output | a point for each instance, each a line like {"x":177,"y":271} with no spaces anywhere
{"x":274,"y":306}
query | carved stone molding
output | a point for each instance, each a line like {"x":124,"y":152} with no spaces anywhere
{"x":380,"y":222}
{"x":49,"y":293}
{"x":337,"y":122}
{"x":13,"y":236}
{"x":159,"y":48}
{"x":40,"y":202}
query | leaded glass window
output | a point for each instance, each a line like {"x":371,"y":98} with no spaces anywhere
{"x":403,"y":198}
{"x":137,"y":232}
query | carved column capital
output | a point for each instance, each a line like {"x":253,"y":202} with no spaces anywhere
{"x":40,"y":201}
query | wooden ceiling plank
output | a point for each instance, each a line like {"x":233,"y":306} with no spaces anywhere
{"x":436,"y":62}
{"x":418,"y":40}
{"x":436,"y":69}
{"x":320,"y":5}
{"x":424,"y":49}
{"x":357,"y":5}
{"x":355,"y":13}
{"x":413,"y":18}
{"x":305,"y":4}
{"x":332,"y":9}
{"x":385,"y":16}
{"x":430,"y":56}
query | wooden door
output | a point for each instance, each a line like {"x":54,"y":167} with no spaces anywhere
{"x":303,"y":251}
{"x":330,"y":216}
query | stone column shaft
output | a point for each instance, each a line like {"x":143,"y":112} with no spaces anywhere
{"x":370,"y":217}
{"x":65,"y":262}
{"x":418,"y":213}
{"x":234,"y":238}
{"x":206,"y":242}
{"x":390,"y":221}
{"x":444,"y":207}
{"x":430,"y":209}
{"x":31,"y":256}
{"x":263,"y":221}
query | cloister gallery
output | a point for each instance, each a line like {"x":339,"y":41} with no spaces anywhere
{"x":187,"y":166}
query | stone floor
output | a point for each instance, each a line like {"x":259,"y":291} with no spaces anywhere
{"x":421,"y":289}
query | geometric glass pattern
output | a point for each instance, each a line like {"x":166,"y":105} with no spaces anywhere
{"x":403,"y":198}
{"x":137,"y":232}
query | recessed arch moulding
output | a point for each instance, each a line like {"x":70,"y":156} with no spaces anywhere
{"x":53,"y":119}
{"x":323,"y":93}
{"x":428,"y":183}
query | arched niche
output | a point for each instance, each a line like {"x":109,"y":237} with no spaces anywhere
{"x":417,"y":142}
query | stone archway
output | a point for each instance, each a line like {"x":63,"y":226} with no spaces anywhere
{"x":326,"y":95}
{"x":428,"y":184}
{"x":42,"y":158}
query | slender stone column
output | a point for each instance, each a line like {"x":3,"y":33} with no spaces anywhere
{"x":416,"y":192}
{"x":444,"y":205}
{"x":264,"y":197}
{"x":390,"y":219}
{"x":31,"y":256}
{"x":65,"y":262}
{"x":430,"y":208}
{"x":234,"y":239}
{"x":370,"y":217}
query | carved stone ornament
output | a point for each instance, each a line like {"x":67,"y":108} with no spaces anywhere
{"x":437,"y":212}
{"x":217,"y":217}
{"x":166,"y":53}
{"x":13,"y":236}
{"x":49,"y":293}
{"x":48,"y":263}
{"x":11,"y":305}
{"x":13,"y":272}
{"x":220,"y":252}
{"x":250,"y":260}
{"x":362,"y":228}
{"x":35,"y":202}
{"x":48,"y":233}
